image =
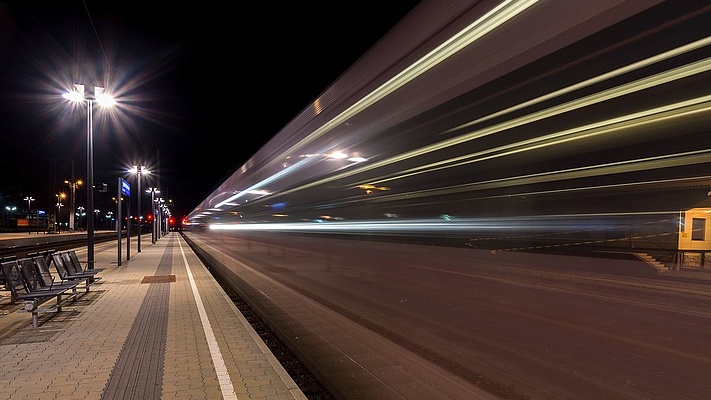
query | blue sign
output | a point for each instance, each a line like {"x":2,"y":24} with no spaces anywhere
{"x":125,"y":187}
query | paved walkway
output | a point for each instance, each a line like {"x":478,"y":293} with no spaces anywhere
{"x":157,"y":327}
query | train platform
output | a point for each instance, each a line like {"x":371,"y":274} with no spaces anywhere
{"x":158,"y":326}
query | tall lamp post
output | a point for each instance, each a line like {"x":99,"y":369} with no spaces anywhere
{"x":29,"y":200}
{"x":162,"y":215}
{"x":81,"y":215}
{"x":59,"y":210}
{"x":10,"y":209}
{"x":139,"y":170}
{"x":110,"y":220}
{"x":72,"y":205}
{"x":98,"y":96}
{"x":153,"y":192}
{"x":60,"y":198}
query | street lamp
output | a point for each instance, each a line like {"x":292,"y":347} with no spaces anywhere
{"x":110,"y":220}
{"x":29,"y":201}
{"x":60,"y":197}
{"x":153,"y":192}
{"x":103,"y":99}
{"x":169,"y":215}
{"x":73,"y":186}
{"x":81,"y":214}
{"x":96,"y":217}
{"x":59,"y":209}
{"x":162,"y":214}
{"x":139,"y":170}
{"x":12,"y":211}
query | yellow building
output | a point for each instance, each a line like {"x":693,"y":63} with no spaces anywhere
{"x":695,"y":235}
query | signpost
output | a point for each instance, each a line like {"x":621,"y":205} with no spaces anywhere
{"x":124,"y":188}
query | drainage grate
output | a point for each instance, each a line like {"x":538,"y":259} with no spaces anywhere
{"x":158,"y":279}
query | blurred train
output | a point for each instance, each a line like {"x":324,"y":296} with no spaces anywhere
{"x":562,"y":128}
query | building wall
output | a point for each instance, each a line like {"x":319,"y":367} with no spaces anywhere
{"x":695,"y":230}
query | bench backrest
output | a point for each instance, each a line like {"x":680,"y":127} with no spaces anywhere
{"x":69,"y":263}
{"x":60,"y":266}
{"x":29,"y":274}
{"x":47,"y":254}
{"x":43,"y":270}
{"x":75,"y":261}
{"x":13,"y":279}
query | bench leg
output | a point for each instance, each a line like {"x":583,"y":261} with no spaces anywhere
{"x":32,"y":306}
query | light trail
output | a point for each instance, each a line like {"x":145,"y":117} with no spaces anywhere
{"x":551,"y":222}
{"x":636,"y":120}
{"x":431,"y":168}
{"x":493,"y":19}
{"x":657,"y":115}
{"x":645,"y":164}
{"x":592,"y":81}
{"x":645,"y":83}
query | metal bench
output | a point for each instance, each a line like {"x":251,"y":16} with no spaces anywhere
{"x":42,"y":264}
{"x":66,"y":271}
{"x":71,"y":260}
{"x":38,"y":279}
{"x":19,"y":289}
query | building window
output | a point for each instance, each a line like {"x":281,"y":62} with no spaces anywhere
{"x":698,"y":229}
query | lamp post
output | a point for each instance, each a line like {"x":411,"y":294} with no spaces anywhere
{"x":60,"y":197}
{"x":98,"y":96}
{"x":56,"y":220}
{"x":11,"y":209}
{"x":168,"y":215}
{"x":139,"y":170}
{"x":73,"y":186}
{"x":162,"y":214}
{"x":29,"y":200}
{"x":81,"y":214}
{"x":110,"y":220}
{"x":96,"y":217}
{"x":153,"y":192}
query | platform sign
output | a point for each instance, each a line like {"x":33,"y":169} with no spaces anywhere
{"x":124,"y":190}
{"x":125,"y":187}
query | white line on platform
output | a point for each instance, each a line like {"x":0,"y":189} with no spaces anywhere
{"x":228,"y":391}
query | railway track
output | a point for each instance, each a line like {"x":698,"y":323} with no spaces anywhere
{"x":21,"y":251}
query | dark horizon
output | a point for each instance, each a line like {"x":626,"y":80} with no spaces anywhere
{"x":178,"y":116}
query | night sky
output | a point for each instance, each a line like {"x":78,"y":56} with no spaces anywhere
{"x":200,"y":88}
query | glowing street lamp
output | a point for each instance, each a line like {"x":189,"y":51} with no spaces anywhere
{"x":60,"y":198}
{"x":96,"y":217}
{"x":11,"y":210}
{"x":72,"y":205}
{"x":110,"y":220}
{"x":29,"y":201}
{"x":162,"y":215}
{"x":153,"y":192}
{"x":98,"y":96}
{"x":139,"y":170}
{"x":59,"y":211}
{"x":80,"y":213}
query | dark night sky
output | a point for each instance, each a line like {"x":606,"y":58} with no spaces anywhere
{"x":202,"y":88}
